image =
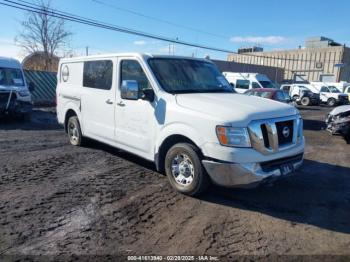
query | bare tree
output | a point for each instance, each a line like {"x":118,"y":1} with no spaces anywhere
{"x":43,"y":33}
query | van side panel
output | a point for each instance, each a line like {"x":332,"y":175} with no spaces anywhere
{"x":69,"y":89}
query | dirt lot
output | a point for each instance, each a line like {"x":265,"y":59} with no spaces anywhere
{"x":57,"y":199}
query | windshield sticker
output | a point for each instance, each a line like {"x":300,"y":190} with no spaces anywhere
{"x":18,"y":81}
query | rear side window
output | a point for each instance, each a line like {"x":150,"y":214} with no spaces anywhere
{"x":98,"y":74}
{"x":243,"y":84}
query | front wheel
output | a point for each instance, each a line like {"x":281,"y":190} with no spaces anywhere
{"x":305,"y":101}
{"x":184,"y":169}
{"x":74,"y":131}
{"x":331,"y":102}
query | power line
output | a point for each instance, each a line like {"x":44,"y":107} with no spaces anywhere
{"x":159,"y":19}
{"x":31,"y":7}
{"x":70,"y":17}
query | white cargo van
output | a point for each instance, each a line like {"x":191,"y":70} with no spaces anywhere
{"x":241,"y":82}
{"x":15,"y":97}
{"x":330,"y":94}
{"x":183,"y":115}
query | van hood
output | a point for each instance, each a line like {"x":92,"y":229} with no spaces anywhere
{"x":236,"y":109}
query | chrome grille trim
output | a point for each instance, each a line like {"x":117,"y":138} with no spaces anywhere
{"x":257,"y":136}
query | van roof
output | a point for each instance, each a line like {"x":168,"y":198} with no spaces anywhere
{"x":140,"y":55}
{"x":9,"y":62}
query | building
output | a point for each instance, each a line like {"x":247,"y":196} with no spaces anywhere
{"x":321,"y":59}
{"x":38,"y":61}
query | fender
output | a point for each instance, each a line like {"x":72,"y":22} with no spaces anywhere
{"x":75,"y":106}
{"x":177,"y":128}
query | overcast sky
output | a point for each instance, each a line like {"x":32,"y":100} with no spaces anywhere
{"x":224,"y":24}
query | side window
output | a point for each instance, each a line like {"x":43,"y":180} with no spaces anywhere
{"x":132,"y":70}
{"x":243,"y":84}
{"x":98,"y":74}
{"x":255,"y":85}
{"x":286,"y":88}
{"x":324,"y":89}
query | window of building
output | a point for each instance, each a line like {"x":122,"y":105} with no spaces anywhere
{"x":98,"y":74}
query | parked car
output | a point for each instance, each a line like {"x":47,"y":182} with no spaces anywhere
{"x":338,"y":121}
{"x":301,"y":94}
{"x":182,"y":114}
{"x":330,"y":95}
{"x":15,"y":97}
{"x":271,"y":93}
{"x":242,"y":82}
{"x":347,"y":91}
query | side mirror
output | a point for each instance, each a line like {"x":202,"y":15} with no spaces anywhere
{"x":31,"y":87}
{"x":232,"y":84}
{"x":130,"y":90}
{"x":148,"y":95}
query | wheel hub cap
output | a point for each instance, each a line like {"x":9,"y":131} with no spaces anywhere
{"x":182,"y":169}
{"x":73,"y":132}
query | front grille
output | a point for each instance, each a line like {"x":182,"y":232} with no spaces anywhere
{"x":343,"y":98}
{"x":273,"y":135}
{"x":285,"y":132}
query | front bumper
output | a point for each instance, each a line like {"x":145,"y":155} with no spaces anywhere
{"x":248,"y":174}
{"x":9,"y":104}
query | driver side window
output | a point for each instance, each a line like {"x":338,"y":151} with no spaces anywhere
{"x":324,"y":89}
{"x":132,"y":70}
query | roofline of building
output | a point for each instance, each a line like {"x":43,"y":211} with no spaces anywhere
{"x":294,"y":50}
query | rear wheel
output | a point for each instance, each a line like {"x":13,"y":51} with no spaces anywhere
{"x":184,"y":169}
{"x":305,"y":101}
{"x":74,"y":131}
{"x":296,"y":98}
{"x":331,"y":102}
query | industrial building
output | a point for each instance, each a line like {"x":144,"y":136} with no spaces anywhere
{"x":322,"y":59}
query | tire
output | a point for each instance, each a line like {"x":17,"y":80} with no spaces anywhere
{"x":305,"y":101}
{"x":295,"y":99}
{"x":331,"y":102}
{"x":191,"y":178}
{"x":74,"y":131}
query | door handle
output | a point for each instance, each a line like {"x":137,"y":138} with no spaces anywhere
{"x":109,"y":101}
{"x":121,"y":103}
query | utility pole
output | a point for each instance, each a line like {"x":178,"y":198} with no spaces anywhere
{"x":87,"y":51}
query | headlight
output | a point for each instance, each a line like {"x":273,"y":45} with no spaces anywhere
{"x":24,"y":93}
{"x":233,"y":136}
{"x":300,"y":129}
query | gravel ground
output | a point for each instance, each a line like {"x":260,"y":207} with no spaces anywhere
{"x":60,"y":200}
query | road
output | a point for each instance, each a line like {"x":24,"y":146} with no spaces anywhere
{"x":57,"y":199}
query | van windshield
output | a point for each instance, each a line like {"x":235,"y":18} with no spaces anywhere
{"x":11,"y":77}
{"x":267,"y":84}
{"x":333,"y":89}
{"x":180,"y":75}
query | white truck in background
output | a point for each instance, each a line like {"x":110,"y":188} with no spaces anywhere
{"x":241,"y":82}
{"x":181,"y":114}
{"x":329,"y":94}
{"x":15,"y":97}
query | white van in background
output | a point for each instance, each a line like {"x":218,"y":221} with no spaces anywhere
{"x":15,"y":97}
{"x":330,"y":94}
{"x":241,"y":82}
